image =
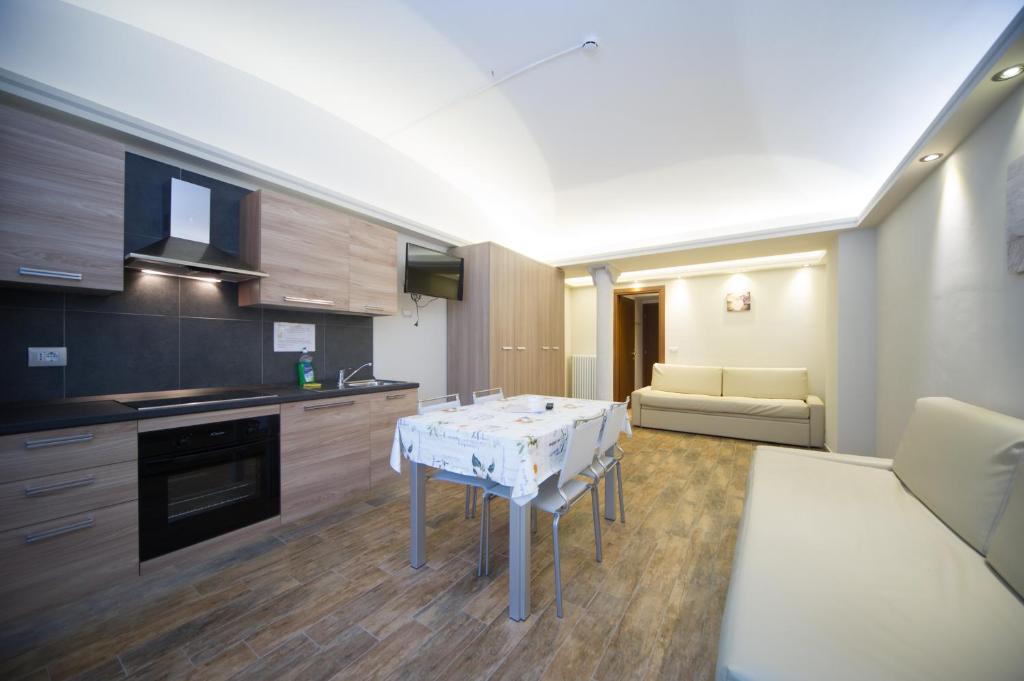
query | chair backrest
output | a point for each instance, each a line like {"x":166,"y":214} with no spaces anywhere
{"x":613,"y":426}
{"x":581,"y":447}
{"x":438,"y":403}
{"x":481,"y":396}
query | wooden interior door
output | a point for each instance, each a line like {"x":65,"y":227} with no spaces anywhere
{"x":502,"y":322}
{"x":555,"y":339}
{"x":649,"y":339}
{"x":625,"y":341}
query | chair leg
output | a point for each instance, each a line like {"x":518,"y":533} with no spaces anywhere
{"x":597,"y":521}
{"x":472,"y":513}
{"x":622,"y":503}
{"x":469,"y":491}
{"x":481,"y":569}
{"x":533,"y":519}
{"x":558,"y":566}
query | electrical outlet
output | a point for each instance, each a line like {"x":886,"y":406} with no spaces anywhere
{"x":47,"y":357}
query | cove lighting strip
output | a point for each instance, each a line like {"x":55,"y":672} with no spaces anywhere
{"x":766,"y":262}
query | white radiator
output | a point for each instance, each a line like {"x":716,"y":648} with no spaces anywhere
{"x":584,"y":376}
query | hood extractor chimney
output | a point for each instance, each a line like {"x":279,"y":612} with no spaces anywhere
{"x":187,"y":251}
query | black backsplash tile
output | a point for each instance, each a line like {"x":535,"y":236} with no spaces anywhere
{"x":147,"y":200}
{"x":217,"y":352}
{"x":347,"y":347}
{"x":143,"y":294}
{"x":115,"y":353}
{"x":31,"y":298}
{"x":22,"y":329}
{"x":218,"y":301}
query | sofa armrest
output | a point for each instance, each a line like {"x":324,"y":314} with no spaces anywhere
{"x":636,"y":402}
{"x":817,"y":425}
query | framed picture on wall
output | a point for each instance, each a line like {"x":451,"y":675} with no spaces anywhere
{"x":737,"y":302}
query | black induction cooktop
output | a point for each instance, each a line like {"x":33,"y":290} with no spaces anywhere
{"x":208,"y":398}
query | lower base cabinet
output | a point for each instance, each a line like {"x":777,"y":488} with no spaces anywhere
{"x":385,"y":410}
{"x":61,"y":560}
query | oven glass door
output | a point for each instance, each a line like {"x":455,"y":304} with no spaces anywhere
{"x":186,"y":499}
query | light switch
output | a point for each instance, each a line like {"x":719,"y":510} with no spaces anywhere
{"x":47,"y":357}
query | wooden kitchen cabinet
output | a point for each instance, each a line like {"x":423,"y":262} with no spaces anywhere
{"x":61,"y":205}
{"x":325,"y":447}
{"x":507,"y":332}
{"x":373,"y":268}
{"x":385,"y":410}
{"x":304,"y":249}
{"x":316,"y":257}
{"x":69,"y":518}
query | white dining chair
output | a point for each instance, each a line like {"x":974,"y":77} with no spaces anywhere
{"x":447,"y":402}
{"x":609,"y":453}
{"x":489,"y":395}
{"x":557,"y":494}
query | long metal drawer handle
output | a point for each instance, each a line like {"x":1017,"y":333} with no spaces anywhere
{"x":506,"y":347}
{"x":57,"y":441}
{"x":310,"y":301}
{"x":554,"y":347}
{"x":520,"y":347}
{"x":57,"y":487}
{"x":545,"y":347}
{"x":34,"y":537}
{"x":395,"y":397}
{"x":52,"y":274}
{"x":376,"y":308}
{"x":314,"y":407}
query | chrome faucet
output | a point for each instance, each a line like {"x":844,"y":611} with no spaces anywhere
{"x":343,"y":379}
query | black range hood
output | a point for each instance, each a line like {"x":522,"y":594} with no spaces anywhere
{"x":187,"y":252}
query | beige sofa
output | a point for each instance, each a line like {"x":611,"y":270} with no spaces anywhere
{"x":768,"y":405}
{"x":850,"y":568}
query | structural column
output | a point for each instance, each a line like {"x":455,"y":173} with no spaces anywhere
{"x":604,"y":281}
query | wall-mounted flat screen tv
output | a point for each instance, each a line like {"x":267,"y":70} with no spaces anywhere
{"x":432,"y":273}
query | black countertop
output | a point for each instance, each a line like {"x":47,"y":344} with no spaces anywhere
{"x":24,"y":417}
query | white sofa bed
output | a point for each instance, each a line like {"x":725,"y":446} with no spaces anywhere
{"x":855,"y":568}
{"x":767,"y":405}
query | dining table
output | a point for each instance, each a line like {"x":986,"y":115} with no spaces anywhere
{"x":517,"y":442}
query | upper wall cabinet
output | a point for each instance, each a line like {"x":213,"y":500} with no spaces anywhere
{"x":373,"y":268}
{"x":315,"y":257}
{"x":61,"y":205}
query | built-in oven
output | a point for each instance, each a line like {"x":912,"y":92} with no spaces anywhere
{"x":201,"y":481}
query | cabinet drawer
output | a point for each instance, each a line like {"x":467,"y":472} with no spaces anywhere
{"x":385,"y":410}
{"x":49,"y":452}
{"x":67,"y":558}
{"x":37,"y":500}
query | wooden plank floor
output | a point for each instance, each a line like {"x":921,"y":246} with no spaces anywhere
{"x":333,"y":596}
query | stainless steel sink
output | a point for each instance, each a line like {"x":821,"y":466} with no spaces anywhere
{"x":369,"y":383}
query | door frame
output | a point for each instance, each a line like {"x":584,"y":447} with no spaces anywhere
{"x":617,"y":342}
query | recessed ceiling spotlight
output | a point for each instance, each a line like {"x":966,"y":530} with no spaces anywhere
{"x":928,"y":158}
{"x":1009,"y":72}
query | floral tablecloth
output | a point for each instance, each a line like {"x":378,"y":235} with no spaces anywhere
{"x":497,"y":440}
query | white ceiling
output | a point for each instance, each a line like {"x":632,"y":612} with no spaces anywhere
{"x":693,"y":120}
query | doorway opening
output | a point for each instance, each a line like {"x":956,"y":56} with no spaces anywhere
{"x":639,"y":337}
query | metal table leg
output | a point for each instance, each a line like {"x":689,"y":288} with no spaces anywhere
{"x":417,"y":514}
{"x":518,"y":561}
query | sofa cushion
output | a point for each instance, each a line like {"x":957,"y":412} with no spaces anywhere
{"x":959,"y":460}
{"x":840,"y":573}
{"x":1006,"y":550}
{"x":681,"y":378}
{"x":746,"y":406}
{"x":781,"y":383}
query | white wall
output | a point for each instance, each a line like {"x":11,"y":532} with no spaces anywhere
{"x":850,"y":343}
{"x":413,"y":353}
{"x":583,"y":324}
{"x":950,"y":314}
{"x":784,"y":328}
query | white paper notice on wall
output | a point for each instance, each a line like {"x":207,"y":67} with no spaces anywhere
{"x":290,"y":337}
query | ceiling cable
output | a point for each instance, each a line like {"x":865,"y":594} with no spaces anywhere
{"x":589,"y":44}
